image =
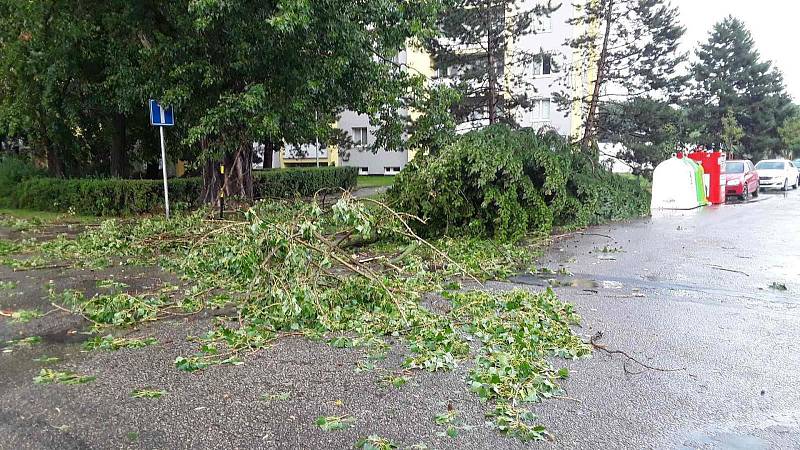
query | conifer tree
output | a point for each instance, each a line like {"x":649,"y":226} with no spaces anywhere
{"x":730,"y":75}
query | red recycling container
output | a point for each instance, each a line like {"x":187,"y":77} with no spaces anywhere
{"x":713,"y":163}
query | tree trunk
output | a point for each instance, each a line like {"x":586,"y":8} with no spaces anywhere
{"x":492,"y":75}
{"x":55,"y":166}
{"x":236,"y":182}
{"x":269,"y":152}
{"x":591,"y":117}
{"x":119,"y":147}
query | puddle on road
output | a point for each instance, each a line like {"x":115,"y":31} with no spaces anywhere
{"x":21,"y":363}
{"x":722,"y":441}
{"x":586,"y":284}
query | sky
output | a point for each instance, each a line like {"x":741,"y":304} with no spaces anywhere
{"x":773,"y":23}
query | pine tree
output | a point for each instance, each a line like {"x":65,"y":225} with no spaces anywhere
{"x":476,"y":51}
{"x":729,"y":75}
{"x":626,"y":49}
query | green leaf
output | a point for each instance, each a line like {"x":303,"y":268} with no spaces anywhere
{"x":333,"y":423}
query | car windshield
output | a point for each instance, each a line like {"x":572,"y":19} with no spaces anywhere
{"x":770,"y":165}
{"x":734,"y":167}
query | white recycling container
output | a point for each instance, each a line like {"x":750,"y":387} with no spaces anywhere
{"x":675,"y":186}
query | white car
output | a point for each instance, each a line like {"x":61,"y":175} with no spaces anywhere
{"x":778,"y":174}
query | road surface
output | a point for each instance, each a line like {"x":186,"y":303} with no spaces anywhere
{"x":686,"y":290}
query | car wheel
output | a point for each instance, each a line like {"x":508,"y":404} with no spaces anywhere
{"x":755,"y":193}
{"x":796,"y":183}
{"x":745,"y":193}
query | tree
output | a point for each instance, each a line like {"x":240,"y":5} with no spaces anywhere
{"x":730,"y":78}
{"x":649,"y":131}
{"x":478,"y":50}
{"x":790,"y":134}
{"x":732,"y":133}
{"x":73,"y":74}
{"x":627,"y":49}
{"x":281,"y":71}
{"x":38,"y":93}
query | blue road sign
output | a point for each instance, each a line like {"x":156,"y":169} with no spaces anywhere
{"x":160,"y":116}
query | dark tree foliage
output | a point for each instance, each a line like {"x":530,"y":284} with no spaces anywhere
{"x":649,"y":131}
{"x":627,"y":49}
{"x":477,"y":50}
{"x":281,"y":71}
{"x":75,"y":79}
{"x":730,"y":75}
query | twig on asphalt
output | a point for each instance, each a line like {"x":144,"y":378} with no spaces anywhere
{"x":714,"y":266}
{"x":599,"y":335}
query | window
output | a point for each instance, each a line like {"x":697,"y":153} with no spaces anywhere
{"x":391,"y":170}
{"x":770,"y":165}
{"x":360,"y":138}
{"x":363,"y":170}
{"x":541,"y":110}
{"x":734,"y":167}
{"x":543,"y":64}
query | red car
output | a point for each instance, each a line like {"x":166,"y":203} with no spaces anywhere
{"x":741,"y":179}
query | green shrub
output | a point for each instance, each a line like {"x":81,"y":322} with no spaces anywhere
{"x":503,"y":183}
{"x":104,"y":197}
{"x":114,"y":197}
{"x":13,"y":171}
{"x":304,"y":182}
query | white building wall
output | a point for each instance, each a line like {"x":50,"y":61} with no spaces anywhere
{"x":382,"y":162}
{"x":550,"y":38}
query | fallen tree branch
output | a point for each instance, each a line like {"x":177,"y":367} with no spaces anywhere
{"x":599,"y":335}
{"x":716,"y":267}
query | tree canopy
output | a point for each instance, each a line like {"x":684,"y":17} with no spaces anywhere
{"x":628,"y":49}
{"x":730,"y":77}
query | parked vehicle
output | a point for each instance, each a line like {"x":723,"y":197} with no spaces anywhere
{"x":778,"y":174}
{"x":741,"y":179}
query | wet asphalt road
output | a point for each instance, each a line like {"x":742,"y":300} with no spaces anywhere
{"x":686,"y":291}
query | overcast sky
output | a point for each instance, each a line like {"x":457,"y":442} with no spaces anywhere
{"x":774,"y":24}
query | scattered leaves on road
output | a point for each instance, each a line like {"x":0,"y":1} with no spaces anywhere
{"x":375,"y":442}
{"x":148,"y":393}
{"x":332,"y":423}
{"x":110,"y":343}
{"x":48,"y":376}
{"x":278,"y":396}
{"x":778,"y":286}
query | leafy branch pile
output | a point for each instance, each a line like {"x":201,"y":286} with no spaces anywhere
{"x":353,"y":273}
{"x":505,"y":184}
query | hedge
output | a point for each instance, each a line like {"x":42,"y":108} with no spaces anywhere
{"x":104,"y":197}
{"x":305,"y":182}
{"x":113,"y":197}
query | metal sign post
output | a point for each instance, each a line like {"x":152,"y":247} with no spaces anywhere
{"x":164,"y":170}
{"x":162,"y":117}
